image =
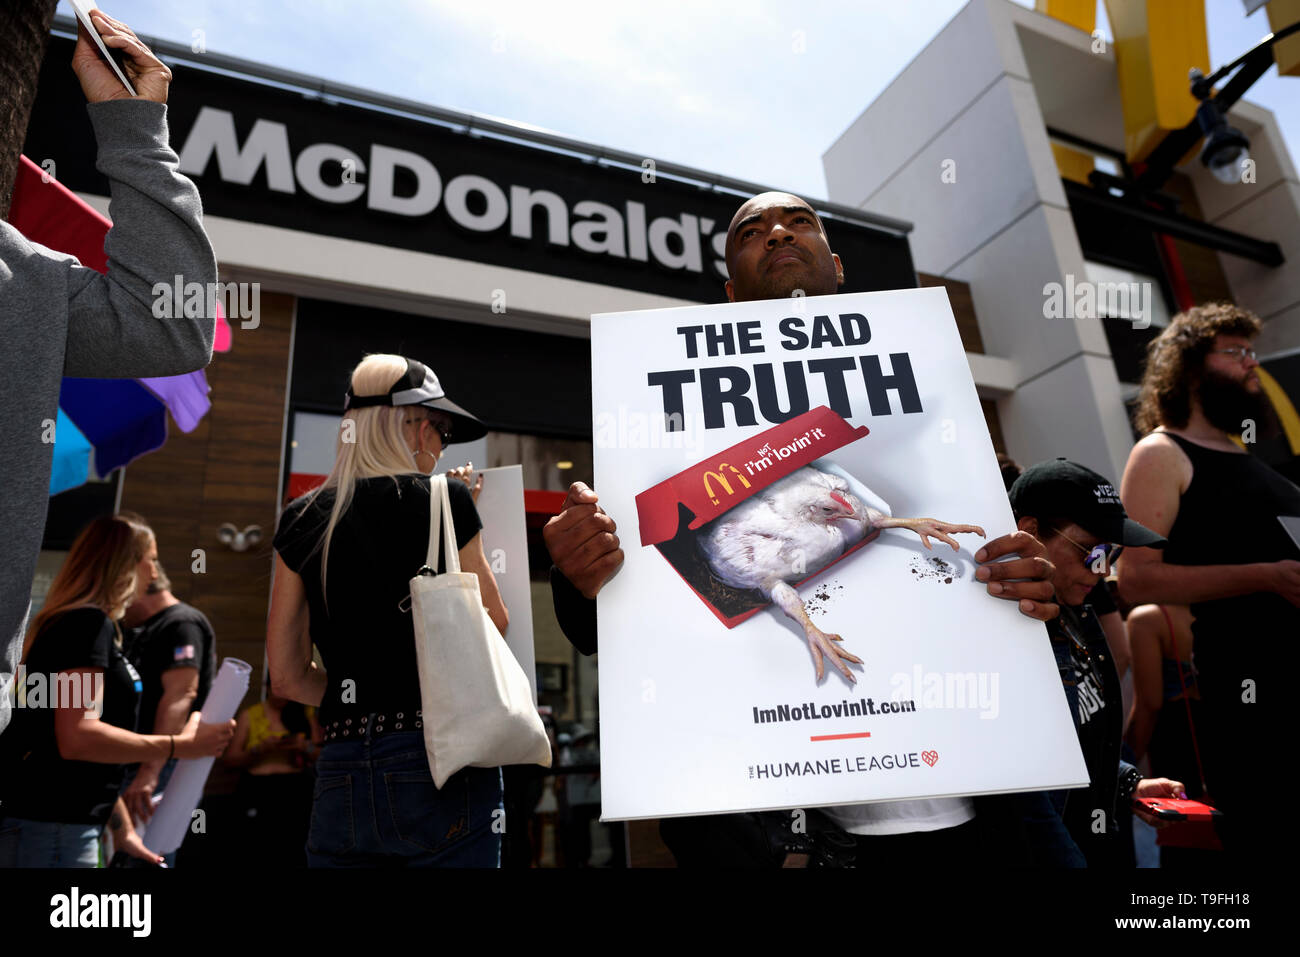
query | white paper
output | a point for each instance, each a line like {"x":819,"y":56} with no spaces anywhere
{"x":505,"y":544}
{"x":682,"y":695}
{"x":82,"y":9}
{"x":171,"y":819}
{"x":1292,"y":525}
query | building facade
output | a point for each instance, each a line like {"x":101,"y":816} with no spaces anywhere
{"x":985,"y":143}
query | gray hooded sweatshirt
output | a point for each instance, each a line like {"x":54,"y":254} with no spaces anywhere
{"x":59,"y":318}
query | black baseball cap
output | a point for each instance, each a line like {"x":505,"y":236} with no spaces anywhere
{"x":419,"y":386}
{"x":1063,"y":489}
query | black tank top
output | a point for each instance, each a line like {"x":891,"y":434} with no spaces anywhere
{"x":1228,"y":516}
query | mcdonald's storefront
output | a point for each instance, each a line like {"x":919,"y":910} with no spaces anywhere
{"x":364,"y":228}
{"x":370,"y":226}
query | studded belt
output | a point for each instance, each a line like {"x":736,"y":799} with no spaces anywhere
{"x":372,"y":725}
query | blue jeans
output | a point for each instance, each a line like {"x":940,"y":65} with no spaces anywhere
{"x":375,"y":805}
{"x":26,"y":843}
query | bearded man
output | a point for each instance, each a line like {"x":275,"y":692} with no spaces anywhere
{"x":1228,"y":555}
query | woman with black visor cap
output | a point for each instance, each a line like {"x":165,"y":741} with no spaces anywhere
{"x":345,"y":556}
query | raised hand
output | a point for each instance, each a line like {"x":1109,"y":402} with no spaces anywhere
{"x":582,"y":541}
{"x":465,"y":473}
{"x":149,"y":75}
{"x":1034,"y":590}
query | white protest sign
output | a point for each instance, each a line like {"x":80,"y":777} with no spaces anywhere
{"x":767,"y":462}
{"x":505,"y":544}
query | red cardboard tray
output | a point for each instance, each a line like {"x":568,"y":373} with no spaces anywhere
{"x":722,"y":481}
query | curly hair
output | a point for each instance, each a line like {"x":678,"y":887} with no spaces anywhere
{"x":1175,"y":359}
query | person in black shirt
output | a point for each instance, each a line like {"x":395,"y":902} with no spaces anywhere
{"x":1229,"y":557}
{"x":1078,"y":516}
{"x":345,"y":557}
{"x":74,"y":728}
{"x":173,"y":646}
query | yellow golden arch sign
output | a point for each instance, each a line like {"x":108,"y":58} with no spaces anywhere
{"x":1156,"y":43}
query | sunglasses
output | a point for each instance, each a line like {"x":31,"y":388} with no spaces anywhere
{"x":1098,"y":557}
{"x":442,"y":427}
{"x":1239,"y":353}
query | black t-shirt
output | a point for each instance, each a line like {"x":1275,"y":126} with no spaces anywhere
{"x":1092,"y":688}
{"x":366,"y":641}
{"x":179,"y":636}
{"x":42,"y":786}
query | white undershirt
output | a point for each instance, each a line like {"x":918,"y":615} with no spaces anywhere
{"x":901,"y":817}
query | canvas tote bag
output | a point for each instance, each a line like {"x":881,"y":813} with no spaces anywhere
{"x":477,"y":703}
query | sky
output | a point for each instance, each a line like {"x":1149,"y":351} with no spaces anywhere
{"x":704,"y":83}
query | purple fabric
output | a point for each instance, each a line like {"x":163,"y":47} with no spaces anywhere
{"x":186,"y":396}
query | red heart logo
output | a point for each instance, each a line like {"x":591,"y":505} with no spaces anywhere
{"x":930,"y":757}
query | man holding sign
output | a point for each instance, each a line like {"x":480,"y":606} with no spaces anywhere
{"x":777,"y":248}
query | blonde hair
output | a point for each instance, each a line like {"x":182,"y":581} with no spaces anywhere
{"x":371,"y":443}
{"x":99,"y":571}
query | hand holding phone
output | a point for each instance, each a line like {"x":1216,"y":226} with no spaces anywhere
{"x":110,"y":61}
{"x":1176,"y":809}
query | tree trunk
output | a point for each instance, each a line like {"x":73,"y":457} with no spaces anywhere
{"x":24,"y":31}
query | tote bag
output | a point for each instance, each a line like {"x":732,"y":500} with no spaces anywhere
{"x":477,"y":702}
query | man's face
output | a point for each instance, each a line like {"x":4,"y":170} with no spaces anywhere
{"x":1067,"y":549}
{"x":776,"y":245}
{"x":1230,"y":391}
{"x":147,"y":570}
{"x":1237,"y":367}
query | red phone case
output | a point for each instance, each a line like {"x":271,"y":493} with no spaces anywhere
{"x":1176,"y":809}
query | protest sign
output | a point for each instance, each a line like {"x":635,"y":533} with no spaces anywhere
{"x":505,"y":545}
{"x":774,"y":468}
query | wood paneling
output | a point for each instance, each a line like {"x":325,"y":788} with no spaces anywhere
{"x":226,"y":470}
{"x":963,"y":308}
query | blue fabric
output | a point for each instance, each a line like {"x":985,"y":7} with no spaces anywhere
{"x":121,"y":418}
{"x":71,"y":466}
{"x":375,"y":805}
{"x":47,"y":844}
